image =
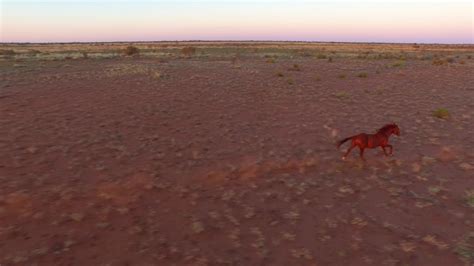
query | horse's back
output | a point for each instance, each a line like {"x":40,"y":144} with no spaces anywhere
{"x":362,"y":139}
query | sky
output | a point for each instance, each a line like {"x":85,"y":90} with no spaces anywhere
{"x":407,"y":21}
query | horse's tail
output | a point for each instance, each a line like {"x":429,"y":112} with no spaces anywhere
{"x":339,"y":143}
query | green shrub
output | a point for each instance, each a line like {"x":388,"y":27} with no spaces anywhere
{"x":465,"y":248}
{"x":441,"y":113}
{"x":450,"y":60}
{"x":188,"y":51}
{"x":341,"y":95}
{"x":34,"y":52}
{"x":7,"y":52}
{"x":131,"y":50}
{"x":470,"y":198}
{"x":438,"y":62}
{"x":427,"y":57}
{"x":399,"y":63}
{"x":295,"y":67}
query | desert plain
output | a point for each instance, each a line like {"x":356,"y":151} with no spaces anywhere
{"x":223,"y":153}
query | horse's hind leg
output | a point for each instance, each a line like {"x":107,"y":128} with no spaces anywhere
{"x":362,"y":153}
{"x":384,"y":151}
{"x":348,"y":151}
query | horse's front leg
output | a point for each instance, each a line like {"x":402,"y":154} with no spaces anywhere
{"x":362,"y":153}
{"x":384,"y":151}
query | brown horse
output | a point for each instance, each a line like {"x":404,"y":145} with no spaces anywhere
{"x":371,"y":140}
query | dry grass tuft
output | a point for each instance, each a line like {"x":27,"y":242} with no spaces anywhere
{"x":438,"y":62}
{"x":341,"y":95}
{"x":441,"y":113}
{"x":465,"y":248}
{"x":295,"y":67}
{"x":188,"y":51}
{"x":131,"y":50}
{"x":362,"y":75}
{"x":132,"y":69}
{"x":8,"y":52}
{"x":470,"y":197}
{"x":400,"y":63}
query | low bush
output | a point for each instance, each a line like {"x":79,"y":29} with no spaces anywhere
{"x":441,"y":113}
{"x":131,"y":50}
{"x":188,"y":51}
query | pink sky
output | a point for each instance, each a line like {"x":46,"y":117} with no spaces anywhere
{"x":154,"y":20}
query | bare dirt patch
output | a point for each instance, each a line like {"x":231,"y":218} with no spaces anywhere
{"x":215,"y":161}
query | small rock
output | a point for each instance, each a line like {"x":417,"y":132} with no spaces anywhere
{"x":457,"y":214}
{"x":32,"y":150}
{"x":466,"y":166}
{"x":416,"y":167}
{"x":346,"y":189}
{"x":19,"y":259}
{"x":408,"y":246}
{"x":425,"y":160}
{"x":77,"y":217}
{"x":397,"y":162}
{"x":39,"y":251}
{"x":447,"y":154}
{"x":69,"y":243}
{"x":102,"y":225}
{"x":197,"y":227}
{"x":274,"y":223}
{"x":123,"y":210}
{"x":135,"y":230}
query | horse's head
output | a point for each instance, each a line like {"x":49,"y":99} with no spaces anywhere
{"x":390,"y":129}
{"x":395,"y":129}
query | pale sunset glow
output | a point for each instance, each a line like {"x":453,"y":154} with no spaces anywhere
{"x":420,"y":21}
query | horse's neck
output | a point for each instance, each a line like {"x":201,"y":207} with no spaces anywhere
{"x":384,"y":134}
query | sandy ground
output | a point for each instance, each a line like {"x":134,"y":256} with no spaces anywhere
{"x":139,"y":161}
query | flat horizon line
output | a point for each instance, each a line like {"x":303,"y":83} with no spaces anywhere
{"x":237,"y":41}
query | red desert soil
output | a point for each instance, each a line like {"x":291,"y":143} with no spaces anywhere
{"x":211,"y":162}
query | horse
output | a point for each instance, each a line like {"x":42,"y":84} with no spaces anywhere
{"x":363,"y":140}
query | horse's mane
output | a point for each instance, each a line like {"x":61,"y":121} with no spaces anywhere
{"x":386,"y":128}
